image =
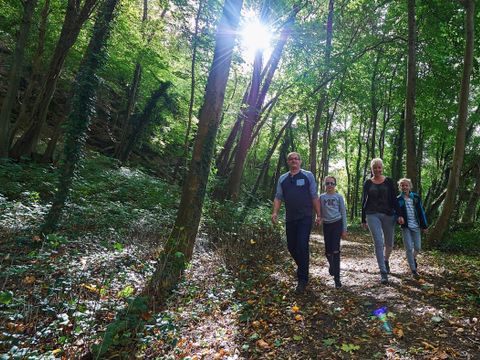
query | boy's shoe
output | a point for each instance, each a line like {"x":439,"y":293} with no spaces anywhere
{"x":338,"y":284}
{"x":415,"y":274}
{"x":387,"y":266}
{"x":384,"y":278}
{"x":301,"y":286}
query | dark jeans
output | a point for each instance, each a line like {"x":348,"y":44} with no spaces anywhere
{"x":331,"y":234}
{"x":298,"y":237}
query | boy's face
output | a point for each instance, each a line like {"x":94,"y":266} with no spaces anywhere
{"x":405,"y":186}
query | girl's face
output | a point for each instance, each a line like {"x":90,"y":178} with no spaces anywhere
{"x":377,"y":169}
{"x":405,"y":186}
{"x":330,"y":184}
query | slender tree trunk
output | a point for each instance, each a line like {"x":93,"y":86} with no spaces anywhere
{"x":6,"y":124}
{"x":140,"y":122}
{"x":82,"y":109}
{"x":75,"y":17}
{"x":373,"y":107}
{"x":438,"y":231}
{"x":179,"y":247}
{"x":192,"y":84}
{"x":268,"y":157}
{"x":410,"y":98}
{"x":398,"y":151}
{"x":323,"y":96}
{"x":471,"y":208}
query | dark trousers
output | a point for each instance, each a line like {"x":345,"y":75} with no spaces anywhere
{"x":298,"y":237}
{"x":331,"y":234}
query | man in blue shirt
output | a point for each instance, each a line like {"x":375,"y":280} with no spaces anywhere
{"x":298,"y":189}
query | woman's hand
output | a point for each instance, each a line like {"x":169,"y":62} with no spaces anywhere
{"x":365,"y":226}
{"x":400,"y":220}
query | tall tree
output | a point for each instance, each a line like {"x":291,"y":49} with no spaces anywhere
{"x":83,"y":105}
{"x":14,"y":74}
{"x":410,"y":98}
{"x":441,"y":225}
{"x":179,"y":247}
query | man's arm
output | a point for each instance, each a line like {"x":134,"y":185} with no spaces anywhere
{"x":276,"y":207}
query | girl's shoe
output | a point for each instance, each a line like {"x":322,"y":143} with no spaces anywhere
{"x":387,"y":266}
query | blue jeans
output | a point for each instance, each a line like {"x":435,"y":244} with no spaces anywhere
{"x":298,"y":237}
{"x":381,"y":227}
{"x":412,"y":239}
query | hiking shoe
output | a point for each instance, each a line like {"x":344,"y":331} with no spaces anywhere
{"x":415,"y":262}
{"x":330,"y":270}
{"x":415,"y":274}
{"x":387,"y":266}
{"x":384,"y":279}
{"x":300,"y":289}
{"x":338,"y":284}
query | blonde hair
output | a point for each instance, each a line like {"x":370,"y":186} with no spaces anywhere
{"x":404,"y":180}
{"x":375,"y":162}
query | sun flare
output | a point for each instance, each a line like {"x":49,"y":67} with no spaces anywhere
{"x":255,"y":36}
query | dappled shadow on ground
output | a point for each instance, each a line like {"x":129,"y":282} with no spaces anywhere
{"x":250,"y":311}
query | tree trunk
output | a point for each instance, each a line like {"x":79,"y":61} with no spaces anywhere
{"x":6,"y":124}
{"x":471,"y":208}
{"x":75,"y":17}
{"x":34,"y":80}
{"x":266,"y":162}
{"x":179,"y":247}
{"x":82,"y":109}
{"x":321,"y":102}
{"x":438,"y":231}
{"x":255,"y":103}
{"x":410,"y":98}
{"x":398,"y":151}
{"x":140,"y":122}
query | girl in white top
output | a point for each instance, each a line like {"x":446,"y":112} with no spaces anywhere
{"x":334,"y":218}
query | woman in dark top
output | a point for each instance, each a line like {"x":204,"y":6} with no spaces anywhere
{"x":379,"y":205}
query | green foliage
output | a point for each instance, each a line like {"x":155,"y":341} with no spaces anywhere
{"x":462,"y":240}
{"x":123,"y":330}
{"x":6,"y":297}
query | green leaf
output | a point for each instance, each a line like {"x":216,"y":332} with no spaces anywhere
{"x":329,"y":342}
{"x":126,"y":292}
{"x":349,"y":347}
{"x":118,"y":246}
{"x":6,"y":297}
{"x":297,"y":337}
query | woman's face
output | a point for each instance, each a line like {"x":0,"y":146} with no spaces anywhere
{"x":377,"y":169}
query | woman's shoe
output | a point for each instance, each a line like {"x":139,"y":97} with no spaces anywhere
{"x":387,"y":266}
{"x":338,"y":284}
{"x":384,"y":279}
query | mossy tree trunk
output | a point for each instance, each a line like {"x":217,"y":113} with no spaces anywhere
{"x":179,"y":247}
{"x":83,"y":105}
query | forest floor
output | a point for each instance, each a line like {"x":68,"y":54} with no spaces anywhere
{"x":57,"y":298}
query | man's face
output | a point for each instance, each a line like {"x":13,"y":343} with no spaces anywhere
{"x":294,"y":162}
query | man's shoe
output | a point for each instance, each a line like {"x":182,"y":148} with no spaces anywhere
{"x":387,"y":266}
{"x":338,"y":284}
{"x":300,"y":289}
{"x":384,"y":279}
{"x":415,"y":274}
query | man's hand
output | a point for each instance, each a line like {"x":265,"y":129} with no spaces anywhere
{"x":274,"y":218}
{"x":401,"y":220}
{"x":344,"y":235}
{"x":365,"y":226}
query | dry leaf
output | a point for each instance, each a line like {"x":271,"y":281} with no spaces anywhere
{"x":29,"y":280}
{"x":298,"y":317}
{"x":263,"y":344}
{"x":295,"y":308}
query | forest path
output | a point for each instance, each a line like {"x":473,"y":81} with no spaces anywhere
{"x":250,"y":311}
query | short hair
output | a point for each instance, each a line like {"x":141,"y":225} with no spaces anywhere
{"x":331,"y":177}
{"x":294,"y":153}
{"x":404,"y":180}
{"x":375,"y":162}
